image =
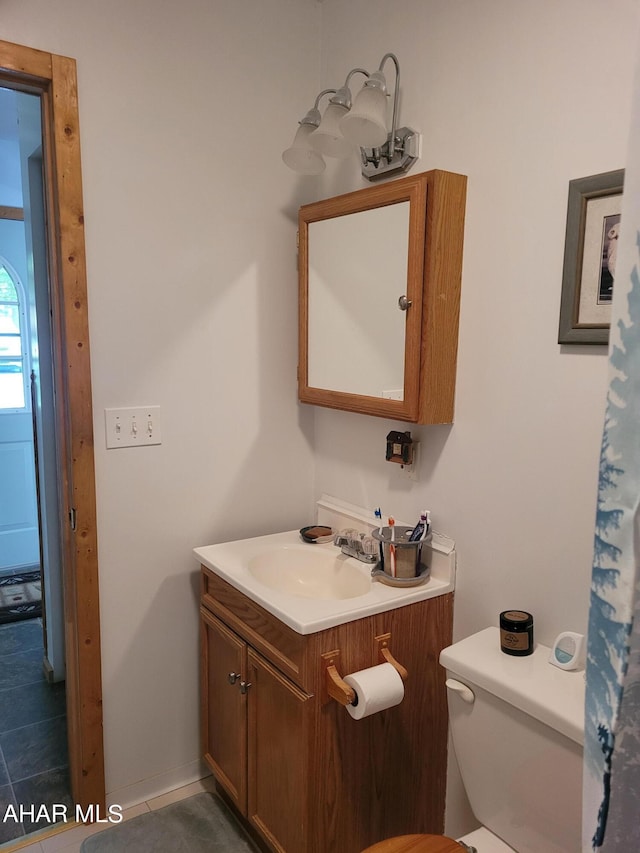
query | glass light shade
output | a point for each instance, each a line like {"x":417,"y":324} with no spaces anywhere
{"x":328,"y":138}
{"x":301,"y":157}
{"x":366,"y":124}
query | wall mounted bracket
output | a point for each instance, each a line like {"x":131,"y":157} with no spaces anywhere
{"x":378,"y":163}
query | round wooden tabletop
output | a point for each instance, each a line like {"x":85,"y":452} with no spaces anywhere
{"x":416,"y":844}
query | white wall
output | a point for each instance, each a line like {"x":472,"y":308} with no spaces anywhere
{"x":193,"y":303}
{"x":192,"y":306}
{"x":521,"y":97}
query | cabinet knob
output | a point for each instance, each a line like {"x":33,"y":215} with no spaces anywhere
{"x":233,"y":677}
{"x":244,"y":686}
{"x":404,"y":303}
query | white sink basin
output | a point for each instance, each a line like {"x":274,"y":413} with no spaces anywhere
{"x":313,"y":587}
{"x":308,"y":573}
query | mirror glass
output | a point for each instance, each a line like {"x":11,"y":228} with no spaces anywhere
{"x":359,"y":253}
{"x":357,"y":270}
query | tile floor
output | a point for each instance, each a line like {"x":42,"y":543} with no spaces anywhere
{"x":69,"y":841}
{"x":33,"y":747}
{"x":33,"y":736}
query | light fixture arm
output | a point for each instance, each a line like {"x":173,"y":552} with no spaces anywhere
{"x":356,"y":71}
{"x":322,"y":94}
{"x":343,"y":95}
{"x":396,"y":92}
{"x":313,"y":116}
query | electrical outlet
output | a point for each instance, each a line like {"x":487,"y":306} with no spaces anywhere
{"x":411,"y":471}
{"x":132,"y":427}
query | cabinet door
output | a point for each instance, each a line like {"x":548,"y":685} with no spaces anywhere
{"x":280,"y":723}
{"x":224,"y":707}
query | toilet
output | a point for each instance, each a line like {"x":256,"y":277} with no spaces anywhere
{"x":517,"y":725}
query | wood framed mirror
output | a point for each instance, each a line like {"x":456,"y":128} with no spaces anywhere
{"x":379,"y":296}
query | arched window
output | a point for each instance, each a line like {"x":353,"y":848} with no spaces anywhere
{"x":13,"y":344}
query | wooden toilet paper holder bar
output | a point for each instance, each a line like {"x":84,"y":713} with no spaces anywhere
{"x":385,"y":656}
{"x":338,"y":689}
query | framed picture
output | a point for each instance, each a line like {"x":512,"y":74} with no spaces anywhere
{"x":591,"y":242}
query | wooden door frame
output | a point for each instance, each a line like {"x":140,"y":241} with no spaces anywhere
{"x":54,"y":79}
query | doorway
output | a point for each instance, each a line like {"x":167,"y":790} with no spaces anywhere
{"x":52,"y":80}
{"x":33,"y":739}
{"x":29,"y":503}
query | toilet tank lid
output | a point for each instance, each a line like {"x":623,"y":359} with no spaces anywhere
{"x":532,"y":684}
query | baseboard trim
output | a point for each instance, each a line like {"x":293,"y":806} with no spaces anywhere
{"x":155,"y":786}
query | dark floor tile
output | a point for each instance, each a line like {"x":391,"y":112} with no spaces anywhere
{"x":4,"y":773}
{"x":46,"y":789}
{"x":35,"y":749}
{"x":21,"y":636}
{"x":21,"y":668}
{"x":31,"y":703}
{"x":10,"y":829}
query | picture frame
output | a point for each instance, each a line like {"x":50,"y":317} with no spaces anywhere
{"x":593,"y":223}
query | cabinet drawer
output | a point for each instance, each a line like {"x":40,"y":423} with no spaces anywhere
{"x":277,"y":642}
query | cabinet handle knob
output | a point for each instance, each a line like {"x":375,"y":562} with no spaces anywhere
{"x":233,"y":677}
{"x":404,"y":303}
{"x":244,"y":686}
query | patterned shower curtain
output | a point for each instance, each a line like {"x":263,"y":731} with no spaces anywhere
{"x":611,"y":795}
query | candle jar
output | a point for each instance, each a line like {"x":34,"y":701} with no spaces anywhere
{"x":516,"y":632}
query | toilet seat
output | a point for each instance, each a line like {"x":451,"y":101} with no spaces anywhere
{"x":416,"y":844}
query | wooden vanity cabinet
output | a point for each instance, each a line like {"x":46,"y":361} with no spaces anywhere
{"x":224,"y":657}
{"x":254,"y":732}
{"x":278,"y":729}
{"x":305,"y":776}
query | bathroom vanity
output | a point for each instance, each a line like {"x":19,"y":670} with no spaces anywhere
{"x":302,"y":774}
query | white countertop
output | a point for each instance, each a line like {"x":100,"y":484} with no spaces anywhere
{"x":229,"y":560}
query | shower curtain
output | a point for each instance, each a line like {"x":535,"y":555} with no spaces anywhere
{"x":611,"y":789}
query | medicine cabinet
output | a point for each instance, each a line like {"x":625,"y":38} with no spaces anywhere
{"x":379,"y":298}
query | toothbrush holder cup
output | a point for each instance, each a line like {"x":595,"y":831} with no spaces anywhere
{"x":402,"y":563}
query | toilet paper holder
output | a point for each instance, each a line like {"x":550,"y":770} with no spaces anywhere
{"x":337,"y":688}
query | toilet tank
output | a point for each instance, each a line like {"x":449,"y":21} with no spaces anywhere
{"x":517,"y":735}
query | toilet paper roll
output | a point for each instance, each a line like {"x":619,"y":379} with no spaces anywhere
{"x":377,"y":688}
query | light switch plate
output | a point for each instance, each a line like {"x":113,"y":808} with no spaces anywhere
{"x":132,"y":427}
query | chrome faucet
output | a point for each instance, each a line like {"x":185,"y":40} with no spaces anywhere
{"x":358,"y":545}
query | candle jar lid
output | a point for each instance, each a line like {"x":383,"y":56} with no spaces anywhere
{"x":516,"y":620}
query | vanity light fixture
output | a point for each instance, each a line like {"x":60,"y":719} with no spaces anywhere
{"x":345,"y":127}
{"x":301,"y":157}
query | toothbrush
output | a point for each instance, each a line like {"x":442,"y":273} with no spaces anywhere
{"x":392,"y":547}
{"x":420,"y":530}
{"x":378,"y":514}
{"x":427,"y":525}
